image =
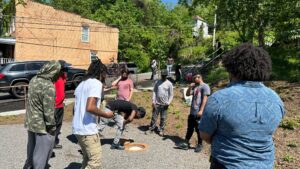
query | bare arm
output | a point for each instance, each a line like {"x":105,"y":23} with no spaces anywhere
{"x":203,"y":103}
{"x":206,"y":137}
{"x":188,"y":91}
{"x":131,"y":91}
{"x":115,"y":83}
{"x":91,"y":106}
{"x":130,"y":118}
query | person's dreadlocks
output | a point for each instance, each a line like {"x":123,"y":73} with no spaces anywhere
{"x":247,"y":62}
{"x":96,"y":70}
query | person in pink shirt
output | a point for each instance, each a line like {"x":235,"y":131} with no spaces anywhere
{"x":124,"y":86}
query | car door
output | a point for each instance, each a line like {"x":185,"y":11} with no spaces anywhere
{"x":18,"y":71}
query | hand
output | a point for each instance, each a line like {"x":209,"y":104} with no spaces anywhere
{"x":52,"y":131}
{"x":153,"y":105}
{"x":199,"y":114}
{"x":192,"y":84}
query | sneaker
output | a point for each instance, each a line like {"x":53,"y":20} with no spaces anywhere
{"x":117,"y":146}
{"x":150,"y":130}
{"x":57,"y":146}
{"x":161,"y":133}
{"x":183,"y":145}
{"x":198,"y":148}
{"x":53,"y":155}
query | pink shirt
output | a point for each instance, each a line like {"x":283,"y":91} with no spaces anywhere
{"x":124,"y":89}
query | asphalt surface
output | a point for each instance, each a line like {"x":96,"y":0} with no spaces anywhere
{"x":160,"y":154}
{"x":9,"y":103}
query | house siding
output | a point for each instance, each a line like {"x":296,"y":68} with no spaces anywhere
{"x":45,"y":33}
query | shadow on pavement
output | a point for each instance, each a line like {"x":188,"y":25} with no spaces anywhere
{"x":175,"y":139}
{"x":143,"y":128}
{"x":72,"y":138}
{"x":106,"y":141}
{"x":74,"y":165}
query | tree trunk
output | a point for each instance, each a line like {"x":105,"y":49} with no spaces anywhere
{"x":261,"y":36}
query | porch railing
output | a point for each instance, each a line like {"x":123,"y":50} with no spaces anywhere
{"x":6,"y":60}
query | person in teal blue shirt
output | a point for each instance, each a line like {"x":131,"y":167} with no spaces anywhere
{"x":239,"y":121}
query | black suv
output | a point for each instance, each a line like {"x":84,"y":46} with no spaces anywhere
{"x":14,"y":76}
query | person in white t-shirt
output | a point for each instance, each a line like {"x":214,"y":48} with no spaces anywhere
{"x":86,"y":111}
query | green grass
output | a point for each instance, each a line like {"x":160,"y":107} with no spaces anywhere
{"x":288,"y":158}
{"x":289,"y":124}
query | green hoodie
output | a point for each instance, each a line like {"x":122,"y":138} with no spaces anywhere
{"x":40,"y":106}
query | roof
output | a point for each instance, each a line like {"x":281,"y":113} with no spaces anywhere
{"x":9,"y":41}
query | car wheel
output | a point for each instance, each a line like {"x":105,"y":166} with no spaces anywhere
{"x":77,"y":80}
{"x":18,"y":90}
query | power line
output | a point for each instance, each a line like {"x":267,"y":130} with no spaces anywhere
{"x":107,"y":25}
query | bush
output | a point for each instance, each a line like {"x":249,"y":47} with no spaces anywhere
{"x":216,"y":74}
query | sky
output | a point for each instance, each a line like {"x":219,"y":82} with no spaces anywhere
{"x":170,"y":1}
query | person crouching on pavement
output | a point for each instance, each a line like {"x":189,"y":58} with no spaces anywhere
{"x":200,"y":92}
{"x":124,"y":113}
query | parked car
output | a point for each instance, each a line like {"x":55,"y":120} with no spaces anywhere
{"x":131,"y":67}
{"x":14,"y":76}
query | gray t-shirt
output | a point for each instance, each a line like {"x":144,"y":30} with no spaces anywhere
{"x":162,"y":93}
{"x":198,"y":92}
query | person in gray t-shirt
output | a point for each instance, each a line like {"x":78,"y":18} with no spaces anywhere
{"x":162,"y":98}
{"x":200,"y":92}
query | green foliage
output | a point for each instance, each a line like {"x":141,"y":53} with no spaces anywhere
{"x":178,"y":126}
{"x":292,"y":144}
{"x":216,"y":74}
{"x":288,"y":158}
{"x":289,"y":124}
{"x":285,"y":63}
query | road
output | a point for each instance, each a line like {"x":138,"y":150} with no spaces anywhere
{"x":8,"y":103}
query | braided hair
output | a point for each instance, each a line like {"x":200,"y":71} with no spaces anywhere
{"x":96,"y":70}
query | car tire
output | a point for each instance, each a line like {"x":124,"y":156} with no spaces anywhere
{"x":77,"y":80}
{"x":17,"y":90}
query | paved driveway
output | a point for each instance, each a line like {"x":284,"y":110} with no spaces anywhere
{"x":160,"y":155}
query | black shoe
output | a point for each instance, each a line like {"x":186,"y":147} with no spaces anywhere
{"x":161,"y":133}
{"x":183,"y":145}
{"x":52,"y":155}
{"x":57,"y":146}
{"x":117,"y":146}
{"x":198,"y":148}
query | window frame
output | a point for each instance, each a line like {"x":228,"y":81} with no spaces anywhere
{"x":83,"y":27}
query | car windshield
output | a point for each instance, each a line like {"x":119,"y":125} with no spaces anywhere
{"x":131,"y":65}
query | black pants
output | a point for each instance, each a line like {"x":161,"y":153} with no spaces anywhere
{"x":215,"y":164}
{"x":153,"y":73}
{"x":59,"y":115}
{"x":193,"y":125}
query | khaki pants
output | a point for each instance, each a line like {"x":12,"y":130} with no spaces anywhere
{"x":91,"y":149}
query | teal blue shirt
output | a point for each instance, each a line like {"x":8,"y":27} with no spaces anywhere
{"x":241,"y":119}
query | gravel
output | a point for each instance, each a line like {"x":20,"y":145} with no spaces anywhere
{"x":160,"y":154}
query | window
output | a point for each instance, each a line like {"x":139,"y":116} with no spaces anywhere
{"x":34,"y":66}
{"x":93,"y":56}
{"x":17,"y":68}
{"x":85,"y":34}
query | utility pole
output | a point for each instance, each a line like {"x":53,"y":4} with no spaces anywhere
{"x":215,"y":26}
{"x":1,"y":21}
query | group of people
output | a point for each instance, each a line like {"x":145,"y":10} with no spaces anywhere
{"x":238,"y":121}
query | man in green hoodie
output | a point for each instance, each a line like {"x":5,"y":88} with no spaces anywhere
{"x":39,"y":120}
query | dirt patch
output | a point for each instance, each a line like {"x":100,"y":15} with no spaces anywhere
{"x":19,"y":119}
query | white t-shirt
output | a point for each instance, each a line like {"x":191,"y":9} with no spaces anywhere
{"x":85,"y":123}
